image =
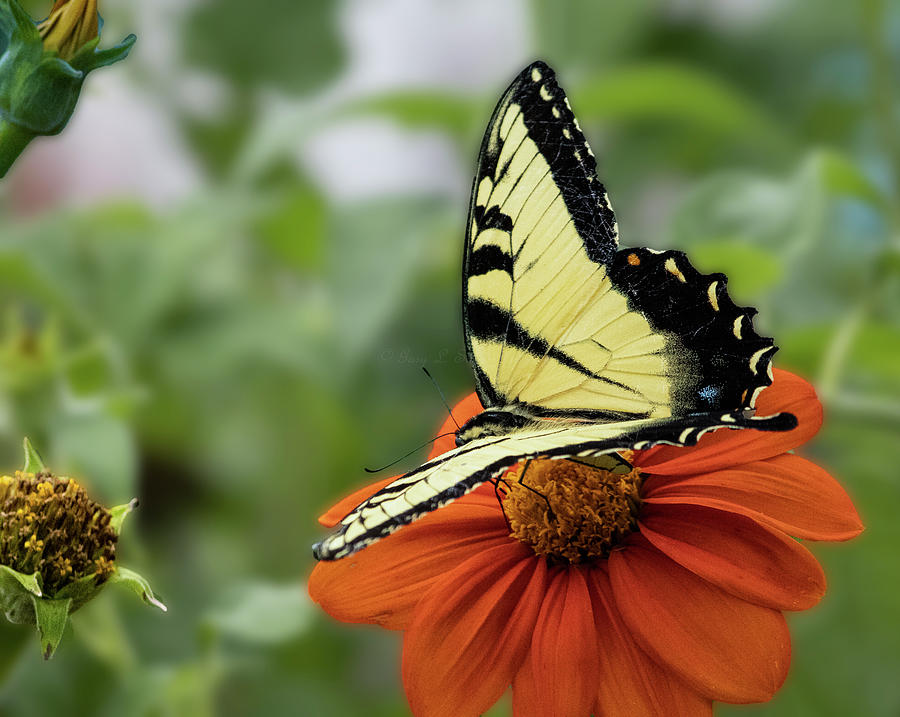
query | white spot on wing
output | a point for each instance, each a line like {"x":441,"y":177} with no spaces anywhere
{"x":713,"y":299}
{"x":536,"y":75}
{"x":737,"y":326}
{"x":673,"y":269}
{"x":545,"y":93}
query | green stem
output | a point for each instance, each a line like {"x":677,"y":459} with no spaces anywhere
{"x":12,"y":141}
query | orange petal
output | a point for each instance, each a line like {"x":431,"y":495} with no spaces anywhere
{"x":471,"y":632}
{"x":630,"y":682}
{"x":384,"y":582}
{"x":336,"y":513}
{"x":787,"y":492}
{"x":564,"y":662}
{"x":723,"y":647}
{"x":736,"y":553}
{"x":725,"y":447}
{"x":527,"y":698}
{"x":464,"y":410}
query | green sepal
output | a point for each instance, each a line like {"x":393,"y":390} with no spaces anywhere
{"x":79,"y":591}
{"x":16,"y":593}
{"x":119,"y":513}
{"x":32,"y":583}
{"x":137,"y":584}
{"x":90,"y":58}
{"x":51,"y":617}
{"x":33,"y":462}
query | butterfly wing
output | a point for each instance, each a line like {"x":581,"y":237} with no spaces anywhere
{"x":459,"y":471}
{"x":558,"y":320}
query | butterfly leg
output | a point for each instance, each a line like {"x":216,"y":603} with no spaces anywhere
{"x":500,"y":496}
{"x":522,"y":483}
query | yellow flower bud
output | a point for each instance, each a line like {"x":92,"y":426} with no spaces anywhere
{"x":70,"y":26}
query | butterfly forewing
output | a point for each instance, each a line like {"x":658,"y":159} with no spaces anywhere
{"x":559,"y":321}
{"x":459,"y":471}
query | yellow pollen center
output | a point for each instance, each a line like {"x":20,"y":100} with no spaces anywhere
{"x":572,"y":512}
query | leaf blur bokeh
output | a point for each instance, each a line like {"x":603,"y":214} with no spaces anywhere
{"x":220,"y":283}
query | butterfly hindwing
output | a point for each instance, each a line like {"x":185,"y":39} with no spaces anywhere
{"x":459,"y":471}
{"x":558,"y":321}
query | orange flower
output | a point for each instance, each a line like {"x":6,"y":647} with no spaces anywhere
{"x":678,"y":606}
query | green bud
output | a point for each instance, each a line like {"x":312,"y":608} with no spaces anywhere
{"x":41,"y":77}
{"x":57,"y":549}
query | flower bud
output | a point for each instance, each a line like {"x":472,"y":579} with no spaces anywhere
{"x":42,"y":69}
{"x":70,"y":26}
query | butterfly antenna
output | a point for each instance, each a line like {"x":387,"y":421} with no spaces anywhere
{"x":443,"y":398}
{"x":392,"y":463}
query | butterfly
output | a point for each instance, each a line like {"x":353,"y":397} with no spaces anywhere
{"x":580,"y":349}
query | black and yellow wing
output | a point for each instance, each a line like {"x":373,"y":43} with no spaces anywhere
{"x":558,"y":320}
{"x":459,"y":471}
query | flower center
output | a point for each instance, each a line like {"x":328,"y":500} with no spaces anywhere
{"x":569,"y":511}
{"x":48,"y":525}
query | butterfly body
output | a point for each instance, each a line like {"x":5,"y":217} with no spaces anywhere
{"x":580,"y":349}
{"x":495,"y":422}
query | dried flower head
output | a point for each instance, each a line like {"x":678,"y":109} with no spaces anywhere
{"x":57,"y":549}
{"x":50,"y":527}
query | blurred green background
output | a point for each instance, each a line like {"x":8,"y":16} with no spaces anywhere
{"x":218,"y":286}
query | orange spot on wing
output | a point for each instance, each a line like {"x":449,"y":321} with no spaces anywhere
{"x":634,"y":259}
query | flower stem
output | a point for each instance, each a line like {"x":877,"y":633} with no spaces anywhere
{"x":12,"y":141}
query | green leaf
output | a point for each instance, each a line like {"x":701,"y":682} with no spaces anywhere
{"x":102,"y":631}
{"x":783,"y":214}
{"x":296,"y":230}
{"x":261,"y":613}
{"x":417,"y":109}
{"x":750,"y":269}
{"x":292,"y":45}
{"x":842,"y":176}
{"x":51,"y":616}
{"x":587,"y":33}
{"x":372,"y":278}
{"x":676,"y":93}
{"x":98,"y":447}
{"x":33,"y":462}
{"x":137,"y":584}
